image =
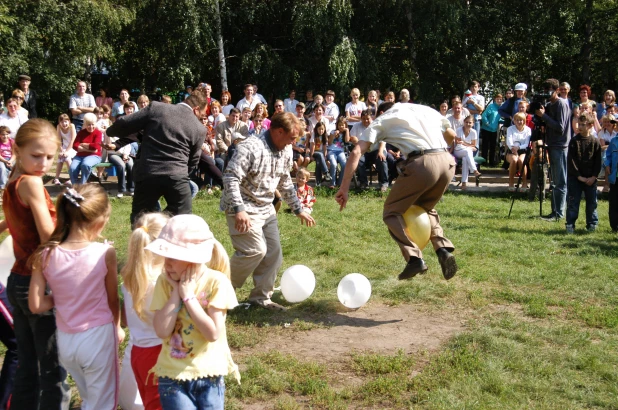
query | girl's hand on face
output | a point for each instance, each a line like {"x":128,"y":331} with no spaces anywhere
{"x":186,"y":285}
{"x":171,"y":281}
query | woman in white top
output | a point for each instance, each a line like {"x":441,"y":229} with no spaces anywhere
{"x":13,"y":118}
{"x":517,"y":140}
{"x":289,"y":104}
{"x":226,"y":97}
{"x":215,"y":116}
{"x":465,"y":146}
{"x":354,"y":108}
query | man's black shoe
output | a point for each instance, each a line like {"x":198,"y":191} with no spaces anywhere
{"x":447,"y":262}
{"x":413,"y":268}
{"x":550,"y":218}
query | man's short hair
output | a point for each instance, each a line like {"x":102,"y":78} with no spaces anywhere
{"x":384,"y":107}
{"x":197,"y":99}
{"x":286,"y":121}
{"x":234,"y":111}
{"x":247,"y":86}
{"x":364,"y":113}
{"x":166,"y":99}
{"x":551,"y":84}
{"x":587,"y":117}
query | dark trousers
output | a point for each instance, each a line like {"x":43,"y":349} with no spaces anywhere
{"x":613,"y":207}
{"x":368,"y":160}
{"x":488,"y":146}
{"x":575,"y":189}
{"x":7,"y":337}
{"x":174,"y":188}
{"x":39,"y":379}
{"x":212,"y":173}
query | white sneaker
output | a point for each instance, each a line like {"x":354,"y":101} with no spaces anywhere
{"x":68,"y":183}
{"x":56,"y":181}
{"x":119,"y":195}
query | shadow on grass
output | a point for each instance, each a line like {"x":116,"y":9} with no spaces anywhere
{"x":323,"y":313}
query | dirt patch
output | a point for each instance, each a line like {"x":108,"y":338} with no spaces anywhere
{"x":377,"y":328}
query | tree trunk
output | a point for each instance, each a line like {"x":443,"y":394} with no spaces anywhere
{"x":586,"y":50}
{"x":219,"y":34}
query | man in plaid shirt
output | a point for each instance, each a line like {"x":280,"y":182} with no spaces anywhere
{"x":260,"y":165}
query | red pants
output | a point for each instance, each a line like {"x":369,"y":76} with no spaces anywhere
{"x":143,"y":359}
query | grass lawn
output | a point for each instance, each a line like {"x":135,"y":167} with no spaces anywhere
{"x":538,"y":311}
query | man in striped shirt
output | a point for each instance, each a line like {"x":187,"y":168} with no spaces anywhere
{"x":260,"y":166}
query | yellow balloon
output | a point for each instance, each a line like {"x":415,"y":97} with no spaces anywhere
{"x":418,"y":226}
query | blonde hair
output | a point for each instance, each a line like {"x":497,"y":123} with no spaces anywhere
{"x":80,"y":214}
{"x":520,"y":115}
{"x":90,"y":118}
{"x":32,"y":130}
{"x":137,"y":272}
{"x":219,"y":260}
{"x":304,"y":172}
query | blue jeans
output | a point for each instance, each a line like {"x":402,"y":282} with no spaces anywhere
{"x":575,"y":189}
{"x":83,"y":164}
{"x":124,"y":172}
{"x":207,"y":393}
{"x":4,"y":174}
{"x":39,"y":380}
{"x":320,"y":166}
{"x":558,"y":168}
{"x":337,"y":156}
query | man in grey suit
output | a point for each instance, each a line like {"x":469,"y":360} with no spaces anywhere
{"x":171,"y":140}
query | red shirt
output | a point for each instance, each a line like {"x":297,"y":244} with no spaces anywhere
{"x":94,"y":140}
{"x":22,"y":227}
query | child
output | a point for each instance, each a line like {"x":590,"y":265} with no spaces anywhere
{"x":317,"y":146}
{"x":66,"y":134}
{"x":611,"y":170}
{"x":245,"y":116}
{"x":7,"y":158}
{"x":303,"y":191}
{"x":30,"y":219}
{"x":190,"y":302}
{"x":336,"y":139}
{"x":517,"y":141}
{"x":583,"y":164}
{"x":140,"y":275}
{"x":85,"y":300}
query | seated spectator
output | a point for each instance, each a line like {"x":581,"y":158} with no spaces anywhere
{"x":444,"y":108}
{"x":118,"y":107}
{"x":372,"y":103}
{"x":335,"y":149}
{"x":464,"y":110}
{"x":464,"y":148}
{"x":393,"y":158}
{"x":87,"y":145}
{"x":586,"y":108}
{"x":66,"y":135}
{"x":300,"y":110}
{"x":331,"y":109}
{"x":354,"y":108}
{"x":389,"y":97}
{"x":19,"y":96}
{"x":103,"y":98}
{"x":609,"y":99}
{"x":7,"y":156}
{"x":210,"y":166}
{"x":457,"y":117}
{"x":517,"y":141}
{"x":303,"y":191}
{"x":278,"y":107}
{"x":143,"y":101}
{"x":226,"y":129}
{"x":522,"y":107}
{"x":226,"y":107}
{"x":122,"y":161}
{"x":318,"y":117}
{"x":12,"y":118}
{"x":215,"y":116}
{"x":245,"y":117}
{"x":289,"y":104}
{"x":257,"y":127}
{"x":376,"y":157}
{"x":317,"y":149}
{"x":261,"y":110}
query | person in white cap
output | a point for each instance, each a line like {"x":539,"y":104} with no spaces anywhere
{"x":510,"y":106}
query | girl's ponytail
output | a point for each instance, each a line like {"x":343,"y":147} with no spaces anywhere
{"x":219,"y":260}
{"x":137,"y":272}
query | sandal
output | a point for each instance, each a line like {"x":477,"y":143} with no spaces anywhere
{"x":269,"y":304}
{"x":511,"y":189}
{"x":477,"y":174}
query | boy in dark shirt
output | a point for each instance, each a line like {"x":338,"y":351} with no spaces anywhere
{"x":583,"y":164}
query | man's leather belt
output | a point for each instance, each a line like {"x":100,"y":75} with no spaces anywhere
{"x":425,"y":151}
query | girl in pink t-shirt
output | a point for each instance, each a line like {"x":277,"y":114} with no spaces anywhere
{"x":82,"y":276}
{"x":7,"y":158}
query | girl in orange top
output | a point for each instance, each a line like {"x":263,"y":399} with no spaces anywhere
{"x":31,"y":218}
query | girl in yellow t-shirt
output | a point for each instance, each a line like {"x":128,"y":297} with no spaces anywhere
{"x":190,"y":301}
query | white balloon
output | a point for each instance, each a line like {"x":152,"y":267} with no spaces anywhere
{"x":354,"y":290}
{"x":7,"y":259}
{"x":297,"y":283}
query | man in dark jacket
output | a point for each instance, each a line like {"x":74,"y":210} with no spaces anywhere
{"x":29,"y":96}
{"x":171,"y":141}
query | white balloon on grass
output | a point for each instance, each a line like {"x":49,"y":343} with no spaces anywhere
{"x":354,"y":290}
{"x":297,"y":283}
{"x":7,"y":259}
